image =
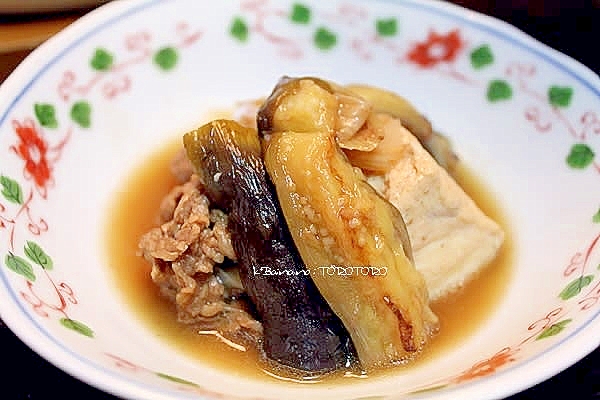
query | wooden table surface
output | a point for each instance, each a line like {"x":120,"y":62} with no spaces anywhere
{"x":572,"y":27}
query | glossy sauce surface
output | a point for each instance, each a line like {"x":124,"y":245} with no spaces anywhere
{"x":135,"y":213}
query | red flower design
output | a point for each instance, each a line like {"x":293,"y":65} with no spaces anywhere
{"x":33,"y":149}
{"x":436,"y":49}
{"x":488,"y":366}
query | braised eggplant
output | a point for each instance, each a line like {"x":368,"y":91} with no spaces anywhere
{"x":341,"y":226}
{"x":300,"y":329}
{"x":396,"y":105}
{"x":385,"y":101}
{"x":310,"y":104}
{"x":354,"y":242}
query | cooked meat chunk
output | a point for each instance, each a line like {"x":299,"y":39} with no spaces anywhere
{"x":191,"y":239}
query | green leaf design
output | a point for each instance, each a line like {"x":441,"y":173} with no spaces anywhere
{"x":239,"y":29}
{"x":300,"y":14}
{"x":560,"y":96}
{"x":20,"y":266}
{"x":81,"y":114}
{"x":77,"y":326}
{"x":46,"y":115}
{"x":553,"y":329}
{"x":482,"y":56}
{"x":324,"y":39}
{"x":166,"y":58}
{"x":11,"y":190}
{"x":498,"y":90}
{"x":102,"y":60}
{"x":37,"y":255}
{"x":575,"y":287}
{"x":175,"y":379}
{"x":580,"y":156}
{"x":387,"y":26}
{"x":596,"y":218}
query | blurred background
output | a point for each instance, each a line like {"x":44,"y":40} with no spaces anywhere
{"x":570,"y":26}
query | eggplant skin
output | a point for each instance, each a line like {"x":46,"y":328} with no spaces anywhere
{"x":300,"y":329}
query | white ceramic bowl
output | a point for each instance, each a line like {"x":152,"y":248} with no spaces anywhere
{"x":98,"y":100}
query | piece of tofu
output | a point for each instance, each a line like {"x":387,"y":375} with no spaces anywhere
{"x":451,"y":237}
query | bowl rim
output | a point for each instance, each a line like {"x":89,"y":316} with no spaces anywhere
{"x":563,"y":353}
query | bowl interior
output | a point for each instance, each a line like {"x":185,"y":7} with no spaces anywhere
{"x":102,"y":98}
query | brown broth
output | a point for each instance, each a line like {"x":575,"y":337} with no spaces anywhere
{"x":135,"y":213}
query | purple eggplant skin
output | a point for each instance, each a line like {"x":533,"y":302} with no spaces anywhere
{"x":300,"y":329}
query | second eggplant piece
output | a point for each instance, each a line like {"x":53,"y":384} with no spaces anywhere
{"x":353,"y":240}
{"x":300,"y":329}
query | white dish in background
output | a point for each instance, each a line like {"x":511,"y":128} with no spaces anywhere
{"x":131,"y":76}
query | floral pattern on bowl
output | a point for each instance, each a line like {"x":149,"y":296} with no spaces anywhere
{"x":38,"y":127}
